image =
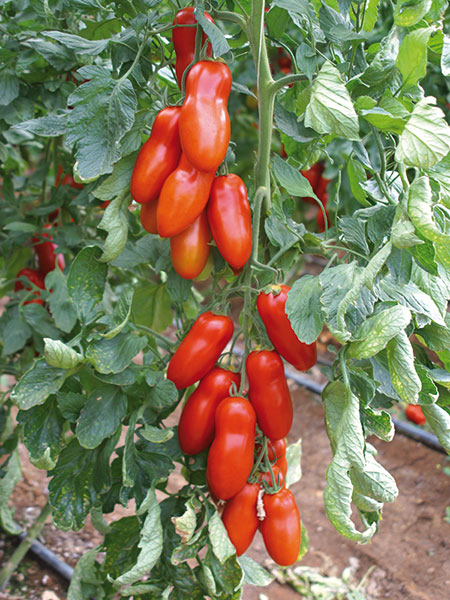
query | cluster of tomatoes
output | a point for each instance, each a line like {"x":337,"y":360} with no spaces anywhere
{"x":319,"y":184}
{"x":245,"y":432}
{"x":174,"y":177}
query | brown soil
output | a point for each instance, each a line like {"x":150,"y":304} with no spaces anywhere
{"x":409,"y":556}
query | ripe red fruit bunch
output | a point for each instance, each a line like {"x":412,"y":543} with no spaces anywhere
{"x":319,"y":184}
{"x":174,"y":177}
{"x":246,"y":465}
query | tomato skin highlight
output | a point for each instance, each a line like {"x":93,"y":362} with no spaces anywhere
{"x":148,"y":217}
{"x":240,"y":517}
{"x":230,"y":219}
{"x":184,"y":40}
{"x":190,"y":249}
{"x":35,"y":277}
{"x":198,"y":352}
{"x":48,"y":259}
{"x":271,"y":309}
{"x":158,"y":157}
{"x":415,"y":414}
{"x":230,"y":458}
{"x":281,"y":528}
{"x":269,"y":393}
{"x":183,"y":197}
{"x":204,"y":120}
{"x":197,"y":422}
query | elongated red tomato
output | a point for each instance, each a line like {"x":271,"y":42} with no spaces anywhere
{"x":197,"y":422}
{"x":230,"y":219}
{"x":240,"y":517}
{"x":415,"y":414}
{"x":271,"y":308}
{"x":198,"y":352}
{"x":269,"y":393}
{"x":190,"y":249}
{"x":184,"y":40}
{"x":46,"y":252}
{"x":148,"y":217}
{"x":313,"y":175}
{"x":281,"y":528}
{"x":183,"y":197}
{"x":158,"y":157}
{"x":230,"y":458}
{"x":35,"y":277}
{"x":204,"y":120}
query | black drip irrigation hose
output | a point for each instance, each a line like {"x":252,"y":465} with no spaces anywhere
{"x":425,"y":437}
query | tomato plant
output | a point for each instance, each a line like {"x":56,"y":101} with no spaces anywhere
{"x":124,"y":127}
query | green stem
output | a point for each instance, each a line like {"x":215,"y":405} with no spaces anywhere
{"x":380,"y":148}
{"x":286,"y":80}
{"x":19,"y":553}
{"x":233,"y":17}
{"x":163,"y":341}
{"x":136,"y":58}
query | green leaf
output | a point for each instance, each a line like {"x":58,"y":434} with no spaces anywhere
{"x":101,"y":415}
{"x":347,"y":440}
{"x":221,"y":545}
{"x":377,"y":331}
{"x":9,"y":88}
{"x":70,"y":404}
{"x":412,"y":56}
{"x":15,"y":331}
{"x":115,"y":222}
{"x":304,"y":310}
{"x":374,"y":482}
{"x":356,"y":175}
{"x":254,"y":573}
{"x":108,"y":105}
{"x":420,"y":211}
{"x":306,"y":60}
{"x":61,"y":305}
{"x":330,"y":109}
{"x":445,"y":57}
{"x":86,"y":579}
{"x":43,"y":429}
{"x":218,"y":41}
{"x":12,"y":476}
{"x":408,"y":13}
{"x":114,"y":355}
{"x":291,"y":179}
{"x":151,"y":543}
{"x":59,"y":57}
{"x":78,"y":479}
{"x":294,"y":457}
{"x":163,"y":392}
{"x":86,"y":281}
{"x":156,"y":435}
{"x":439,"y":421}
{"x":354,"y":231}
{"x":78,"y":44}
{"x":122,"y":312}
{"x":39,"y":320}
{"x":58,"y":354}
{"x":119,"y":181}
{"x":371,"y":16}
{"x":186,"y":523}
{"x":287,"y":122}
{"x":152,"y":307}
{"x":37,"y":384}
{"x":426,"y":137}
{"x":52,"y":125}
{"x":441,"y":173}
{"x":401,"y":368}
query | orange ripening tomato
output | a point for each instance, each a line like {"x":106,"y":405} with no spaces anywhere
{"x":415,"y":414}
{"x":183,"y":197}
{"x":158,"y":157}
{"x":281,"y":528}
{"x":189,"y":249}
{"x":230,"y":458}
{"x":148,"y":217}
{"x":271,"y":309}
{"x":35,"y":277}
{"x":230,"y":219}
{"x":269,"y":393}
{"x":197,"y":422}
{"x":184,"y":40}
{"x":204,"y":120}
{"x":240,"y":517}
{"x":198,"y":352}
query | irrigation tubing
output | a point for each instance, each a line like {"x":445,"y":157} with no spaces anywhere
{"x":49,"y":558}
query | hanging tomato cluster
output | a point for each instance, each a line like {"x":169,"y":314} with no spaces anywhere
{"x":246,"y":465}
{"x":174,"y":177}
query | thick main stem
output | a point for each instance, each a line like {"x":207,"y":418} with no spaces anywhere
{"x":19,"y":553}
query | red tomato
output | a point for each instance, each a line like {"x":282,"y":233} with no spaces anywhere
{"x":158,"y":157}
{"x":230,"y":458}
{"x":183,"y":197}
{"x":148,"y":217}
{"x":281,"y":528}
{"x":313,"y":175}
{"x":279,"y":472}
{"x":240,"y":517}
{"x":277,"y":448}
{"x":46,"y":252}
{"x":284,"y":60}
{"x":230,"y":219}
{"x":204,"y":119}
{"x":271,"y":309}
{"x":189,"y":249}
{"x":321,"y":189}
{"x":67,"y":180}
{"x":196,"y":427}
{"x":198,"y":352}
{"x":184,"y":40}
{"x":269,"y":393}
{"x":415,"y":414}
{"x":35,"y":277}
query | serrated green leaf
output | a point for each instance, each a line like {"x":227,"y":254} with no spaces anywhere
{"x":420,"y":211}
{"x":85,"y":575}
{"x":294,"y":457}
{"x":86,"y":281}
{"x":122,"y":312}
{"x":291,"y":179}
{"x":218,"y":41}
{"x":412,"y":56}
{"x":37,"y":384}
{"x":439,"y":421}
{"x":114,"y":355}
{"x":156,"y":435}
{"x":221,"y":544}
{"x":52,"y":125}
{"x":115,"y":222}
{"x":12,"y":476}
{"x":9,"y":87}
{"x":119,"y":180}
{"x":407,"y":13}
{"x":152,"y":307}
{"x":401,"y":368}
{"x":101,"y":415}
{"x":186,"y":523}
{"x":371,"y":16}
{"x":303,"y":308}
{"x":61,"y":305}
{"x":58,"y":354}
{"x":15,"y":331}
{"x":254,"y":573}
{"x":78,"y":44}
{"x":330,"y":109}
